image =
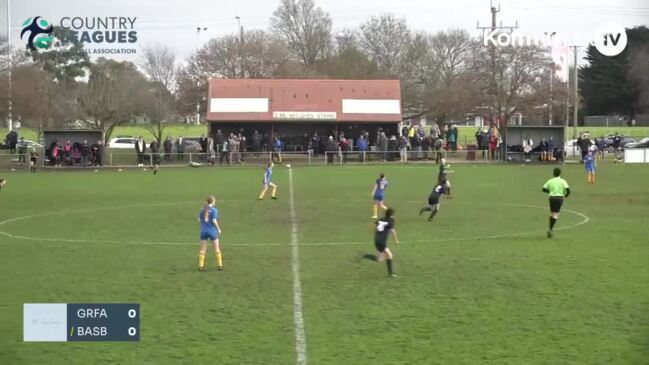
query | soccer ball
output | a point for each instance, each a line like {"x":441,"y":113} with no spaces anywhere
{"x":120,"y":170}
{"x":288,"y":165}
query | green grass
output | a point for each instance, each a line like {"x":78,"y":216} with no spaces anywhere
{"x":479,"y":285}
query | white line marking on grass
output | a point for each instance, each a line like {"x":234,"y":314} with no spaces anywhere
{"x":585,"y":219}
{"x":300,"y":334}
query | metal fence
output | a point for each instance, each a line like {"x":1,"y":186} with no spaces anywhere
{"x":117,"y":158}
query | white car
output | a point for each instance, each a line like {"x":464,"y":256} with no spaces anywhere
{"x":124,"y":143}
{"x":31,"y":144}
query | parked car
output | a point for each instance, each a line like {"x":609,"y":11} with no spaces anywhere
{"x":623,"y":142}
{"x":643,"y":143}
{"x":192,"y":144}
{"x":123,"y":143}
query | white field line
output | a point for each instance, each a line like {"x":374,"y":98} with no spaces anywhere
{"x":585,"y":219}
{"x":300,"y":334}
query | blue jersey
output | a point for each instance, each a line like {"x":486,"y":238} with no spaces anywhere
{"x":268,"y":175}
{"x":589,"y":161}
{"x":207,"y":217}
{"x":381,"y":185}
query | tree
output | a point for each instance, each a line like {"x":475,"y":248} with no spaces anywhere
{"x":506,"y":83}
{"x":349,"y":63}
{"x":385,"y":39}
{"x":451,"y":54}
{"x":258,"y":56}
{"x":111,"y":96}
{"x":158,"y":108}
{"x":65,"y":60}
{"x":159,"y":62}
{"x":608,"y":85}
{"x":305,"y":28}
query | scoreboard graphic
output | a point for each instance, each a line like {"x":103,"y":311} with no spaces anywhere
{"x":68,"y":322}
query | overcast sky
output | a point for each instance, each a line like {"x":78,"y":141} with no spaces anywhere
{"x":174,"y":23}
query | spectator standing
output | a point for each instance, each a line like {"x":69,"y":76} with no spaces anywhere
{"x":584,"y":144}
{"x":331,"y":148}
{"x":180,"y":149}
{"x":382,"y":145}
{"x":168,"y":146}
{"x":140,"y":149}
{"x":362,"y":145}
{"x":393,"y":148}
{"x":203,"y":143}
{"x":84,"y":149}
{"x":12,"y":141}
{"x":242,"y":146}
{"x":22,"y":150}
{"x":225,"y":152}
{"x":256,"y":143}
{"x":219,"y":138}
{"x":403,"y":149}
{"x":97,"y":151}
{"x":67,"y":152}
{"x":493,"y":145}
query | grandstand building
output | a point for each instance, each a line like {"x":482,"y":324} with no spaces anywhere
{"x":293,"y":108}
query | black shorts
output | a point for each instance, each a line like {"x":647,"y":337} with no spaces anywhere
{"x":380,"y":246}
{"x":433,"y":200}
{"x":555,"y":204}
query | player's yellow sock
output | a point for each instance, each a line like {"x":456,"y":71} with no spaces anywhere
{"x":274,"y":191}
{"x":201,"y":260}
{"x":261,"y":196}
{"x":219,"y":259}
{"x":375,"y":209}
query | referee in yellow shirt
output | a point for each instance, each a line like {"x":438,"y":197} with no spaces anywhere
{"x":557,"y":188}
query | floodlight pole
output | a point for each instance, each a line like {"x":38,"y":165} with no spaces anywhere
{"x":198,"y":98}
{"x":551,"y":74}
{"x":9,"y":70}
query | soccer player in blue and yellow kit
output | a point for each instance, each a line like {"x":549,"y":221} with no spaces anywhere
{"x":210,"y":231}
{"x":378,"y":194}
{"x":268,"y":177}
{"x":590,"y":164}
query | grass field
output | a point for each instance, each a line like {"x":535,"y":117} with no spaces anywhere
{"x":479,"y":285}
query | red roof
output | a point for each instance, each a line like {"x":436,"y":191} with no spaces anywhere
{"x":304,"y":100}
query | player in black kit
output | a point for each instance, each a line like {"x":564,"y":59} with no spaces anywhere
{"x":433,"y":199}
{"x":383,"y":228}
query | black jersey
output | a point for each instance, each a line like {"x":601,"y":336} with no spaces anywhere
{"x":33,"y":156}
{"x":383,"y":227}
{"x":439,"y":189}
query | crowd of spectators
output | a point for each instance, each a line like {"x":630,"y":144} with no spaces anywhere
{"x":76,"y":153}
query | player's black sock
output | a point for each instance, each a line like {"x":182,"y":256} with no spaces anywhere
{"x":553,"y":221}
{"x":388,"y":262}
{"x":425,"y":209}
{"x":432,"y":214}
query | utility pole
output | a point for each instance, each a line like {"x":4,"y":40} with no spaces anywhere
{"x":495,"y":89}
{"x":198,"y":84}
{"x":576,"y":93}
{"x":241,"y":52}
{"x":551,"y":76}
{"x":492,"y":52}
{"x":10,"y":71}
